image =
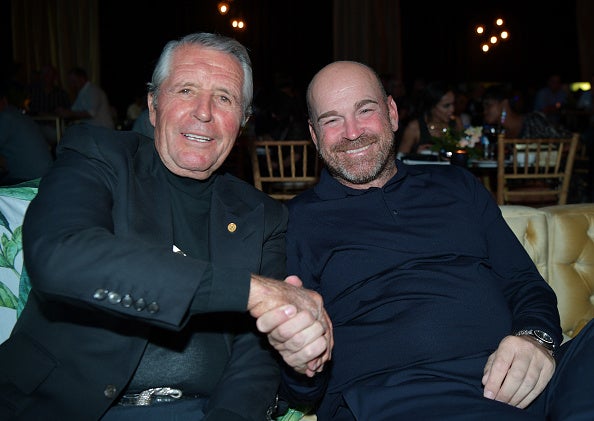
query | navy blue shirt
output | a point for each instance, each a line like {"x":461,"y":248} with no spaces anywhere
{"x":417,"y":275}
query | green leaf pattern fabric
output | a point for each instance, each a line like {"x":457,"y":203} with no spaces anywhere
{"x":14,"y":281}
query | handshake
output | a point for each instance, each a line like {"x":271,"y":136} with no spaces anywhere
{"x":294,"y":320}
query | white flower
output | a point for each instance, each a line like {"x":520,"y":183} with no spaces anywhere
{"x":472,"y":136}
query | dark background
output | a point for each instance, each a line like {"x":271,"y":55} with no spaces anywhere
{"x":296,"y":40}
{"x":439,"y":40}
{"x":295,"y":37}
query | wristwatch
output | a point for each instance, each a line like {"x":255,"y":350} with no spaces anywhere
{"x":541,"y":337}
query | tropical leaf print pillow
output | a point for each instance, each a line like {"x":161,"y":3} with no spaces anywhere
{"x":14,"y":281}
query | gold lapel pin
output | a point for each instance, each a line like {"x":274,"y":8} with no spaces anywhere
{"x":231,"y":227}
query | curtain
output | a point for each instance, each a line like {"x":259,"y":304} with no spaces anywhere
{"x":369,"y":32}
{"x":585,"y":29}
{"x":63,"y":33}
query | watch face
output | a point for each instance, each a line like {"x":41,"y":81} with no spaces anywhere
{"x":544,"y":336}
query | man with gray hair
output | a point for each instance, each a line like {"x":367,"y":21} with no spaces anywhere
{"x":151,"y":272}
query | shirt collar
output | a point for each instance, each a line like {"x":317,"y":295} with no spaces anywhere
{"x":329,"y":188}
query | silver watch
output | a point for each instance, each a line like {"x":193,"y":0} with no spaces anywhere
{"x":541,"y":337}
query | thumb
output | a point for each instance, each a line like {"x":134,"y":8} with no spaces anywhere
{"x":294,"y":280}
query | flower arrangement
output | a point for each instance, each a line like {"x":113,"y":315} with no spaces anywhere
{"x":452,"y":141}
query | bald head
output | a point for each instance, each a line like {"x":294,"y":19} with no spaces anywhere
{"x":337,"y":78}
{"x":352,"y":123}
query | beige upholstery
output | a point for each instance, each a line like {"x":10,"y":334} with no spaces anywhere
{"x":560,"y":241}
{"x":530,"y":226}
{"x":571,"y":263}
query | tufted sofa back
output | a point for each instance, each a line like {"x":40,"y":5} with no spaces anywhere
{"x":530,"y":226}
{"x":560,"y":240}
{"x":571,"y":263}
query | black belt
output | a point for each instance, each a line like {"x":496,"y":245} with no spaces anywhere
{"x":153,"y":396}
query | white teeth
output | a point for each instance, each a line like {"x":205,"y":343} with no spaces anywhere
{"x":358,"y":150}
{"x":197,"y":138}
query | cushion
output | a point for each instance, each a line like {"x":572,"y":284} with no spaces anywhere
{"x":530,"y":226}
{"x":14,"y":281}
{"x":571,"y":263}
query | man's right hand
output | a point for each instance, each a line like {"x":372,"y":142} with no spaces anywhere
{"x":295,"y":321}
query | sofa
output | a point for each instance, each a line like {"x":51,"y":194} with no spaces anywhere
{"x":559,"y":239}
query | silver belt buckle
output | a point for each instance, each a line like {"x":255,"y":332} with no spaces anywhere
{"x":145,"y":398}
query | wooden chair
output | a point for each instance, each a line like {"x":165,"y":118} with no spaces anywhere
{"x":534,"y":172}
{"x":284,"y":168}
{"x":581,"y":179}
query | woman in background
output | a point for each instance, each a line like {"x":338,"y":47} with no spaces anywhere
{"x":436,"y":116}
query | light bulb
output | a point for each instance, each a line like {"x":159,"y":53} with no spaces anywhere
{"x":223,"y":7}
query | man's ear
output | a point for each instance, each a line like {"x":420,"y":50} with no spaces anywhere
{"x":393,"y":111}
{"x":245,"y":121}
{"x":151,"y":107}
{"x":312,"y":133}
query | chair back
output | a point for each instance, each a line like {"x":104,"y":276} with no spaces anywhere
{"x":284,"y":168}
{"x":534,"y":171}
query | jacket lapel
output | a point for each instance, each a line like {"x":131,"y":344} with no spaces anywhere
{"x":235,"y":229}
{"x":152,"y":208}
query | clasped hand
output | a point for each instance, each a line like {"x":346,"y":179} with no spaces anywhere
{"x":518,"y":371}
{"x":295,"y":322}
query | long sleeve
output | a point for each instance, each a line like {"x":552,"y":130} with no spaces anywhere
{"x":87,"y":241}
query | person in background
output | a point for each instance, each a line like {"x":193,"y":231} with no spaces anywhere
{"x":584,"y":104}
{"x":499,"y":110}
{"x":91,"y":104}
{"x":46,"y":95}
{"x":24,"y":152}
{"x":150,"y":270}
{"x":475,"y":103}
{"x":436,"y":116}
{"x":438,"y":311}
{"x":134,"y":110}
{"x":551,"y":98}
{"x":584,"y":101}
{"x":281,"y":113}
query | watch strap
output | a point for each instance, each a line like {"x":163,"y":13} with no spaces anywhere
{"x":540,"y":336}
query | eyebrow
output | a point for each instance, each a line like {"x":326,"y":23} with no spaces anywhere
{"x":358,"y":105}
{"x":223,"y":89}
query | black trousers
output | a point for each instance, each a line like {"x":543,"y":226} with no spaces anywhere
{"x":569,"y":395}
{"x":184,"y":410}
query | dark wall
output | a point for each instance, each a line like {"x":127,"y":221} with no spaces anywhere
{"x":440,"y":42}
{"x":297,"y":39}
{"x":5,"y":40}
{"x":131,"y":39}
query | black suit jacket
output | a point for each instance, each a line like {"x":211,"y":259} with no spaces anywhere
{"x":97,"y":243}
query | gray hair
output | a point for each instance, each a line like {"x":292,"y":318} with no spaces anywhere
{"x":211,"y":41}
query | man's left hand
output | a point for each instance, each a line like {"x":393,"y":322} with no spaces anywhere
{"x":518,"y":371}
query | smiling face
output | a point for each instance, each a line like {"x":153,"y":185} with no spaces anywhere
{"x":199,"y":111}
{"x":352,"y":124}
